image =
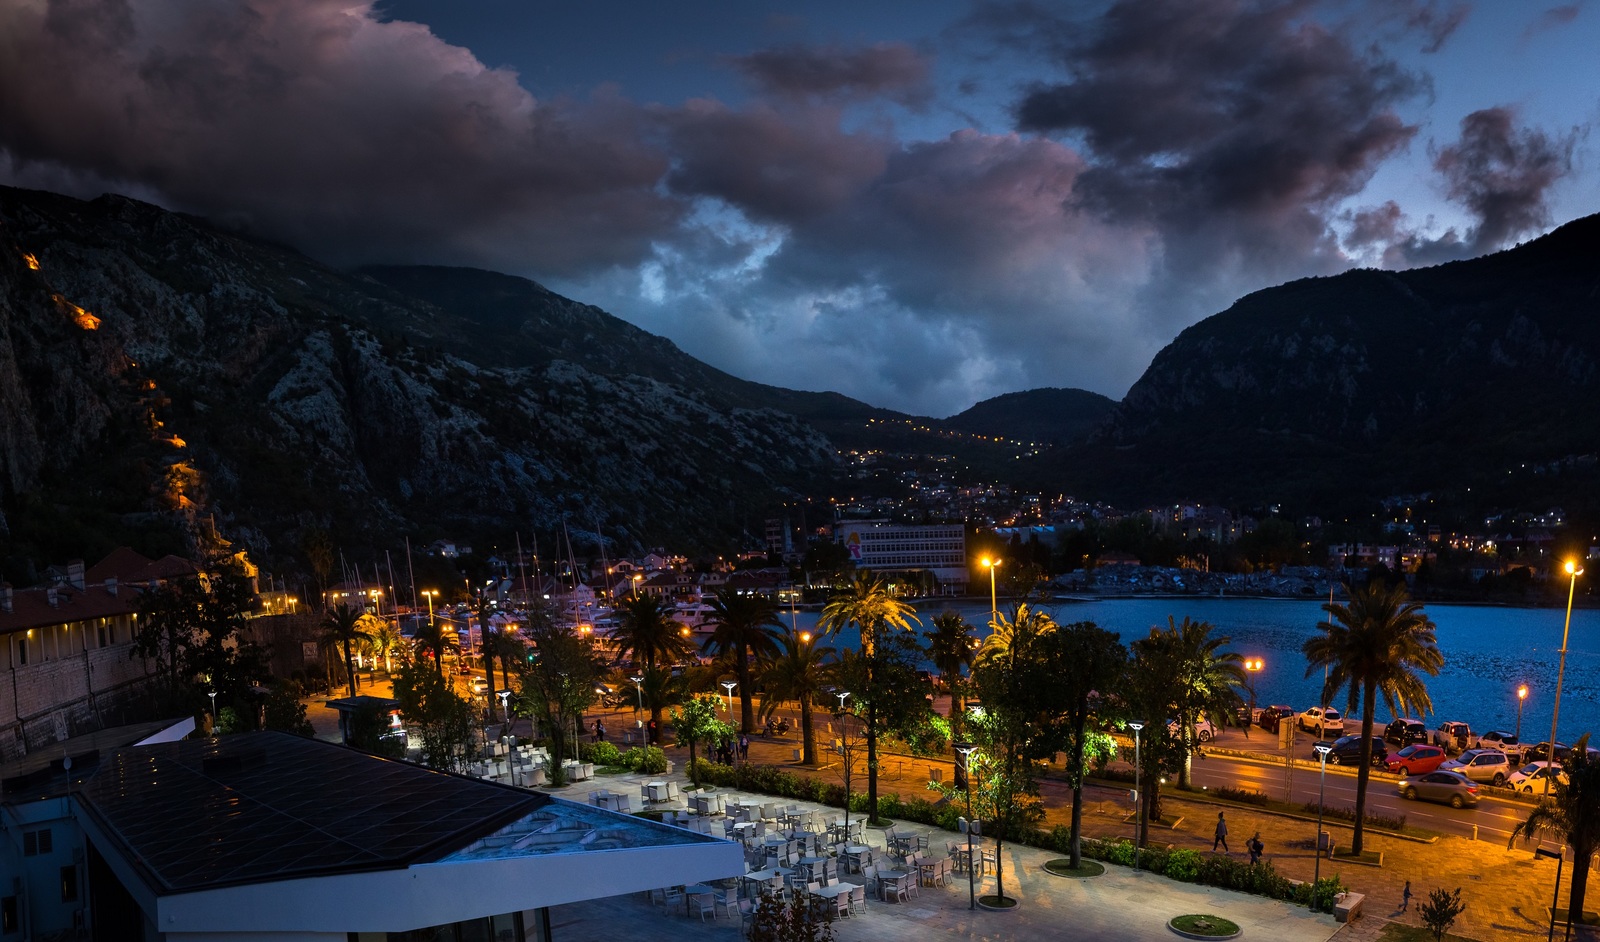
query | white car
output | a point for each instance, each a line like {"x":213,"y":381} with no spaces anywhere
{"x":1322,"y":721}
{"x":1530,"y":778}
{"x":1203,"y":730}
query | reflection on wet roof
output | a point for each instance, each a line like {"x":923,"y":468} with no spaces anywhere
{"x":565,"y":828}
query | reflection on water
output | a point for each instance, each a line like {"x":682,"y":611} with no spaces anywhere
{"x":1488,"y":651}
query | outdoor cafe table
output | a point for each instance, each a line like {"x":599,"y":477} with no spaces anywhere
{"x":693,"y":890}
{"x":894,"y":877}
{"x":658,"y":790}
{"x":830,"y":892}
{"x":806,"y":863}
{"x":768,"y":876}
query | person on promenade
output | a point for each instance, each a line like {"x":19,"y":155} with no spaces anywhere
{"x":1221,"y":837}
{"x":1255,"y":847}
{"x":1405,"y":897}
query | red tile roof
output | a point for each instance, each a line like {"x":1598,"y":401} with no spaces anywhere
{"x":31,"y":608}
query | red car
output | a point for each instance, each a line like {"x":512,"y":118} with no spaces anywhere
{"x":1416,"y":759}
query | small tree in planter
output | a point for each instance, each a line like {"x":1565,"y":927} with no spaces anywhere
{"x":696,"y":722}
{"x":793,"y":921}
{"x":1440,"y":911}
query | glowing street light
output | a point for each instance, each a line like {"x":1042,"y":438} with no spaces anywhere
{"x":965,"y":751}
{"x":728,"y":685}
{"x":1316,"y":871}
{"x":1573,"y":572}
{"x":1252,"y":667}
{"x":638,"y":689}
{"x":1522,"y":695}
{"x":1136,"y":726}
{"x":429,"y":595}
{"x":994,"y":605}
{"x":505,"y":703}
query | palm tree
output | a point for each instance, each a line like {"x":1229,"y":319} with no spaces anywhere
{"x":746,"y":627}
{"x":1375,"y":645}
{"x":950,"y":647}
{"x":647,"y":632}
{"x":431,"y":640}
{"x":1572,"y":812}
{"x":1208,"y":683}
{"x":868,"y":604}
{"x":342,"y":628}
{"x":508,"y":648}
{"x":797,"y":673}
{"x":386,"y":641}
{"x":1087,"y":661}
{"x":485,"y":610}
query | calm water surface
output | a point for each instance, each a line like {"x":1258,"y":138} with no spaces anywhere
{"x":1488,"y":652}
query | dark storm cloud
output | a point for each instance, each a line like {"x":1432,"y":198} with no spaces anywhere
{"x":776,"y":165}
{"x":1500,"y":173}
{"x":895,"y":71}
{"x":317,"y":123}
{"x":1235,"y":126}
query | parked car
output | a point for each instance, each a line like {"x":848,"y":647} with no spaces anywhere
{"x":1453,"y":736}
{"x":1417,"y":759}
{"x":1346,"y":750}
{"x":1530,"y":778}
{"x":1406,"y":731}
{"x":1322,"y":721}
{"x":1452,"y":788}
{"x":1204,"y":731}
{"x":1540,"y":751}
{"x":1503,"y":741}
{"x":1273,"y":716}
{"x":1481,"y":765}
{"x":478,"y":686}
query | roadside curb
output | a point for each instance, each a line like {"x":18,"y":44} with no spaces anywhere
{"x":1204,"y":798}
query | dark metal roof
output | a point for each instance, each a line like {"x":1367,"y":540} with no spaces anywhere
{"x":272,"y":806}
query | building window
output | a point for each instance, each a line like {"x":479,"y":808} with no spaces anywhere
{"x":35,"y":843}
{"x":22,"y":652}
{"x":69,"y":884}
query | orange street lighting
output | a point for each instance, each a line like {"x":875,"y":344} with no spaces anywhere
{"x":1522,"y":694}
{"x":1573,"y":572}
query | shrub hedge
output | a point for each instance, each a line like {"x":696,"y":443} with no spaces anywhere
{"x":1184,"y":864}
{"x":1349,"y":814}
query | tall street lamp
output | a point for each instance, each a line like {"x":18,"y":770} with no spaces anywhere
{"x":213,"y":695}
{"x":994,"y":605}
{"x":1135,"y":726}
{"x":965,"y":750}
{"x":1522,"y":695}
{"x":1555,"y":895}
{"x":429,"y":594}
{"x":728,"y":685}
{"x":638,"y":691}
{"x":1252,"y":667}
{"x":1573,"y":572}
{"x":505,"y":703}
{"x":1316,"y":871}
{"x":844,"y":756}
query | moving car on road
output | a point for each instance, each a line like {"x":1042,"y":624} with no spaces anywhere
{"x":1452,"y":788}
{"x":1481,"y":765}
{"x":1322,"y":721}
{"x":1417,"y":759}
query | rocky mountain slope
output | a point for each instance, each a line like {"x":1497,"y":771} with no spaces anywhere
{"x":153,"y":369}
{"x":1328,"y":392}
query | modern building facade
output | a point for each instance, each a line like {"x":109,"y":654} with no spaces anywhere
{"x":937,"y":550}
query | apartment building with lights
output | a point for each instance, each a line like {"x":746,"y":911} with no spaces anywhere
{"x":938,"y":550}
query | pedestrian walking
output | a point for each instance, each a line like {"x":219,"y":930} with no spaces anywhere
{"x":1405,"y":897}
{"x":744,"y":747}
{"x":1255,"y":847}
{"x":599,"y":731}
{"x":1221,"y":836}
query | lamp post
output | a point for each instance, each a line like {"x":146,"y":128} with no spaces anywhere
{"x":1573,"y":572}
{"x":844,"y":757}
{"x":505,"y":703}
{"x":638,"y":691}
{"x":1322,"y":753}
{"x":965,"y":750}
{"x":1135,"y":726}
{"x":994,"y":604}
{"x":429,"y":594}
{"x":728,"y":685}
{"x":1555,"y":895}
{"x":636,"y":580}
{"x":1522,"y":694}
{"x":1252,"y":667}
{"x":213,"y":695}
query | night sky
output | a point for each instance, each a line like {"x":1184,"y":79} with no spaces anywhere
{"x":918,"y":204}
